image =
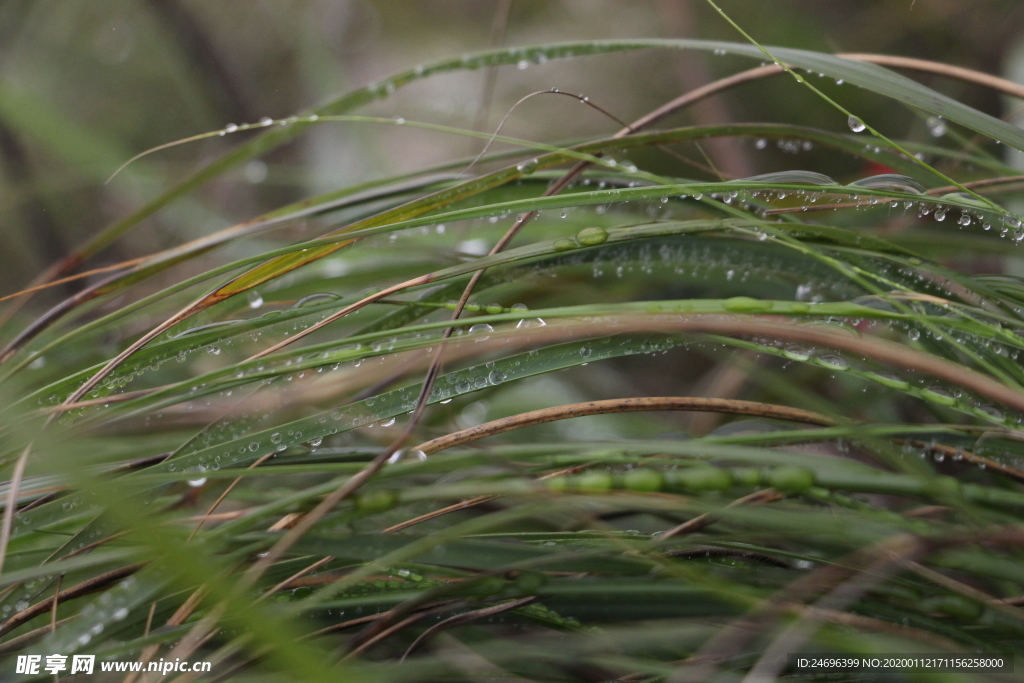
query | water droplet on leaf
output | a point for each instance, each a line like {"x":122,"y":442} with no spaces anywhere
{"x":528,"y":167}
{"x":481,"y":328}
{"x":413,"y":454}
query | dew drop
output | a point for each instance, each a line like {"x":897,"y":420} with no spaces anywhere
{"x":481,"y":328}
{"x":855,"y":124}
{"x":797,"y":353}
{"x":195,"y":483}
{"x":936,"y":126}
{"x":991,"y":411}
{"x":254,"y":298}
{"x":939,"y":395}
{"x":255,"y":171}
{"x":414,"y":454}
{"x":833,"y":362}
{"x":528,"y":167}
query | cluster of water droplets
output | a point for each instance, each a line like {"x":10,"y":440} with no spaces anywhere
{"x":266,"y":122}
{"x":920,"y":386}
{"x":966,"y":209}
{"x":700,"y":259}
{"x":111,"y":606}
{"x":786,"y":145}
{"x":228,"y":447}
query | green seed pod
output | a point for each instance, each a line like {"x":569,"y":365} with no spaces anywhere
{"x":565,"y":245}
{"x":745,"y":304}
{"x":643,"y":479}
{"x":376,"y":501}
{"x":494,"y":309}
{"x":791,"y":478}
{"x":594,"y":482}
{"x":590,"y":237}
{"x":954,"y":606}
{"x":747,"y":476}
{"x":702,"y":478}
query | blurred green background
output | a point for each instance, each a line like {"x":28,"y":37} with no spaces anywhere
{"x":87,"y":84}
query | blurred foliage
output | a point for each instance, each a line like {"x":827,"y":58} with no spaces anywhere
{"x":749,"y":384}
